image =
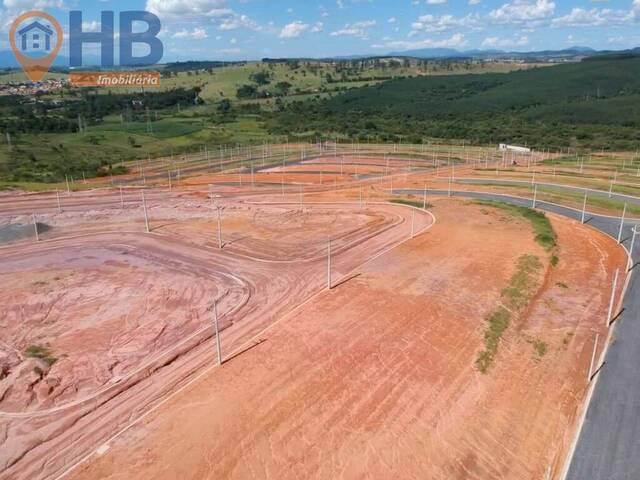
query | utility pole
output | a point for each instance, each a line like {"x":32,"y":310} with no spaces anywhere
{"x":219,"y":229}
{"x":35,"y":226}
{"x":217,"y":330}
{"x":584,"y":207}
{"x":301,"y":198}
{"x":413,"y":222}
{"x":58,"y":198}
{"x":633,"y":244}
{"x":613,"y":297}
{"x":329,"y":264}
{"x":593,"y":357}
{"x":424,"y":198}
{"x":146,"y":216}
{"x":624,"y":212}
{"x":535,"y":195}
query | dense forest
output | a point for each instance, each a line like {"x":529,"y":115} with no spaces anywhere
{"x":591,"y":104}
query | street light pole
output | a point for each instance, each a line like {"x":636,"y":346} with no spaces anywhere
{"x":217,"y":330}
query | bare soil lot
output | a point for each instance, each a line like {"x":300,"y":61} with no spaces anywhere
{"x":378,"y":378}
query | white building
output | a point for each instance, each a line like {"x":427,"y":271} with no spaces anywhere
{"x":513,"y":148}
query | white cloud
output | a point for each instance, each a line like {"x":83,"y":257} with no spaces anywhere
{"x":496,"y":42}
{"x":216,"y":12}
{"x":20,"y":5}
{"x":356,"y":29}
{"x":297,"y":28}
{"x":457,"y":40}
{"x":579,"y":17}
{"x":189,"y":9}
{"x":432,"y":23}
{"x":198,"y":33}
{"x":523,"y":11}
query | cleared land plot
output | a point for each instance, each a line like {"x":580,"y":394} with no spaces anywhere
{"x":378,"y":377}
{"x":102,"y":321}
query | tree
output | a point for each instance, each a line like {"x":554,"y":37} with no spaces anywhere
{"x":247,"y":91}
{"x":282,"y":89}
{"x":261,"y":78}
{"x":224,"y":106}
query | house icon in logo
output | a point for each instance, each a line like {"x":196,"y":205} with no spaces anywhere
{"x":35,"y":37}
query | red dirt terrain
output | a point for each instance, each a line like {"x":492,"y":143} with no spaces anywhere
{"x":377,"y":378}
{"x":100,"y":321}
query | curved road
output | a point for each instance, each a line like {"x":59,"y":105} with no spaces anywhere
{"x":609,"y":440}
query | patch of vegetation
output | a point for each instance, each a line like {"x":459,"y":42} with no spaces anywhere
{"x":515,"y":297}
{"x":559,"y":195}
{"x":567,"y":338}
{"x":562,"y":285}
{"x":523,"y":283}
{"x":545,"y":234}
{"x":43,"y":353}
{"x":555,"y":260}
{"x":498,"y":322}
{"x":540,"y":348}
{"x":590,"y":104}
{"x":411,"y":203}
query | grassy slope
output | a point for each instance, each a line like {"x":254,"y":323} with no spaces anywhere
{"x":595,"y":101}
{"x":57,"y":155}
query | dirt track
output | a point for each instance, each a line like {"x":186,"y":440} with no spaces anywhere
{"x":128,"y":315}
{"x":376,"y":379}
{"x":373,"y":379}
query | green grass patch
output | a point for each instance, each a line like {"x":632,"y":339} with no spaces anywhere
{"x":515,"y":297}
{"x":544,"y":233}
{"x":540,"y":348}
{"x":43,"y":353}
{"x":523,"y":283}
{"x":575,"y":198}
{"x":497,"y":324}
{"x":411,"y":203}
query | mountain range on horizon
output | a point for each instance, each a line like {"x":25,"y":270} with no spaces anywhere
{"x":574,"y":53}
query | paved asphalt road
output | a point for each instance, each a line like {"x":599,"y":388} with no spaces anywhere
{"x":580,"y":190}
{"x":609,"y":444}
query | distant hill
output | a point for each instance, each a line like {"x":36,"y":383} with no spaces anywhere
{"x":429,"y":53}
{"x":546,"y":55}
{"x":594,"y":103}
{"x":8,"y":60}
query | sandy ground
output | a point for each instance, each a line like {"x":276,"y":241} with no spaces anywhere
{"x":377,"y":378}
{"x":127,"y":316}
{"x":373,"y":379}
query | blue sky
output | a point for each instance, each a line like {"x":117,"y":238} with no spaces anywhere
{"x":252,"y":29}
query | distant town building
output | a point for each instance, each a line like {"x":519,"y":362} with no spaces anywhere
{"x":513,"y":148}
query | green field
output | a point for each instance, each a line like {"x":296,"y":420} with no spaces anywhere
{"x":51,"y":157}
{"x":594,"y":104}
{"x":307,"y":78}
